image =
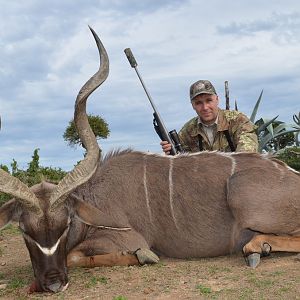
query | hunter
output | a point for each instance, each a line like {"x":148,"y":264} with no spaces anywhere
{"x":214,"y":128}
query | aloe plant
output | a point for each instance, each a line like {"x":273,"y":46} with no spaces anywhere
{"x":273,"y":134}
{"x":270,"y":132}
{"x":297,"y":121}
{"x":255,"y":109}
{"x":276,"y":136}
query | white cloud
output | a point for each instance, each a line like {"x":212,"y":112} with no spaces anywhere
{"x":48,"y":53}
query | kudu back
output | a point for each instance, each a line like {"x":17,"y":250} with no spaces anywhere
{"x":127,"y":206}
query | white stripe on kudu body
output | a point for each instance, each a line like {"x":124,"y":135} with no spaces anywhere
{"x":171,"y":192}
{"x":279,"y":169}
{"x":230,"y":156}
{"x":146,"y":191}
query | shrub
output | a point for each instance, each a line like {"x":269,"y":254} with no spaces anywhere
{"x":33,"y":175}
{"x":291,"y":156}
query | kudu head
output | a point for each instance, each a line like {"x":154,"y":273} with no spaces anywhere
{"x":45,"y":212}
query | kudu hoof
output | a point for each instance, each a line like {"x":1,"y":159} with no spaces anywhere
{"x":266,"y":249}
{"x":253,"y":260}
{"x":146,"y":256}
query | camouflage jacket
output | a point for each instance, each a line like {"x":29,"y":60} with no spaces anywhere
{"x":240,"y":128}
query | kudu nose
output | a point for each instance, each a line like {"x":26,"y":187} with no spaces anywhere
{"x":55,"y":281}
{"x":57,"y":287}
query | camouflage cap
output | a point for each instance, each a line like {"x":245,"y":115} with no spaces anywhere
{"x":201,"y":87}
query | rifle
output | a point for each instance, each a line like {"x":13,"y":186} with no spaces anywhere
{"x":172,"y":136}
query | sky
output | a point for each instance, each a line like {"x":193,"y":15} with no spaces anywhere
{"x":47,"y":53}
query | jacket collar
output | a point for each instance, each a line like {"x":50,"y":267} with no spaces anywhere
{"x":222,"y":123}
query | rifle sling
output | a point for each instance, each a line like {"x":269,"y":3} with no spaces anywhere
{"x":229,"y":141}
{"x":200,"y":142}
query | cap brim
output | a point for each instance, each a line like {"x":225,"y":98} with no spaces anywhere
{"x":204,"y":92}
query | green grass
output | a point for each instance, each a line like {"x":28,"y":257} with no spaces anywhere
{"x":214,"y":269}
{"x":284,"y":289}
{"x":16,"y":283}
{"x":260,"y":282}
{"x":203,"y":289}
{"x":159,"y":265}
{"x":120,"y":298}
{"x":278,"y":273}
{"x":103,"y":280}
{"x":246,"y":293}
{"x":10,"y":229}
{"x":94,"y":280}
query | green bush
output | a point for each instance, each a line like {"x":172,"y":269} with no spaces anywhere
{"x":291,"y":156}
{"x":33,"y":174}
{"x":4,"y":197}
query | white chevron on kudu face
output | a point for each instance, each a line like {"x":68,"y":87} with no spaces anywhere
{"x":48,"y":251}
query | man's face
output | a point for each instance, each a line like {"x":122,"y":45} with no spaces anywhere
{"x":206,"y":106}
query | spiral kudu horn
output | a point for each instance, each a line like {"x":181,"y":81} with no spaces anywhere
{"x":86,"y":168}
{"x":14,"y":187}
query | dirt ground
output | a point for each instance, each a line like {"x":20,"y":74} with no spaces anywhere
{"x":277,"y":277}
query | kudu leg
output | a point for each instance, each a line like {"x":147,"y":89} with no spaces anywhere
{"x":121,"y":258}
{"x":112,"y":249}
{"x":263,"y":244}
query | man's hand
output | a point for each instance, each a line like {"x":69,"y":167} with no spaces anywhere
{"x":166,"y":147}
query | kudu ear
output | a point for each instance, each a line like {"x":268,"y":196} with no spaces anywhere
{"x":91,"y":215}
{"x":10,"y":211}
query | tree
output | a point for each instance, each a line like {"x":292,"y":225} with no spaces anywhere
{"x":98,"y":125}
{"x":34,"y":165}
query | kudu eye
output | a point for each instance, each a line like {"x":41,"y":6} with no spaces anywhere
{"x":21,"y":227}
{"x":27,"y":236}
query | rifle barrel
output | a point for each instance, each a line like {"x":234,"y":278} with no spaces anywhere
{"x":134,"y":65}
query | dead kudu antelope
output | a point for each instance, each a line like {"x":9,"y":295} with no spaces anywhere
{"x":112,"y":211}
